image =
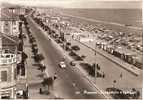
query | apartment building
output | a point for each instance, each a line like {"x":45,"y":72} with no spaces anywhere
{"x":8,"y":63}
{"x":9,"y":20}
{"x":9,"y":31}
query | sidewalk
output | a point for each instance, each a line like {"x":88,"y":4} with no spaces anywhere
{"x":91,"y":45}
{"x":130,"y":68}
{"x":33,"y":79}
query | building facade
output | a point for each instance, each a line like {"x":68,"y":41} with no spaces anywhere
{"x":9,"y":32}
{"x":9,"y":20}
{"x":8,"y":63}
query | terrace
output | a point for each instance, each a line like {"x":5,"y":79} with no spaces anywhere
{"x":7,"y":58}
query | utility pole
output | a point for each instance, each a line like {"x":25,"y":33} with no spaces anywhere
{"x":95,"y":70}
{"x":95,"y":65}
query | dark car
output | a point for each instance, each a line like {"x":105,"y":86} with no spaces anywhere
{"x":72,"y":63}
{"x":75,"y":47}
{"x":58,"y":40}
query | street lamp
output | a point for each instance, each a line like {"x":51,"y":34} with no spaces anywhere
{"x":95,"y":62}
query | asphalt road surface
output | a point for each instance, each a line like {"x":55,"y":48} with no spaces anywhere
{"x":70,"y":81}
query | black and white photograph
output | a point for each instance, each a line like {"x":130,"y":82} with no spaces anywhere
{"x":71,"y":49}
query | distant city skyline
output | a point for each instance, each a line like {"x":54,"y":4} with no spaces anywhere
{"x":79,"y":3}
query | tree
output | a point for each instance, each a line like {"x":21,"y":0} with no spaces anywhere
{"x":38,"y":57}
{"x":20,"y":45}
{"x":22,"y":68}
{"x":48,"y":82}
{"x":68,"y":43}
{"x":42,"y":67}
{"x":35,"y":51}
{"x":136,"y":94}
{"x":24,"y":56}
{"x":98,"y":67}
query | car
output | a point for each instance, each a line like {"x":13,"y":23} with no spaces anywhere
{"x":72,"y":63}
{"x":62,"y":64}
{"x":75,"y":47}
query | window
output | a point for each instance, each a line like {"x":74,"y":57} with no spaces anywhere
{"x":6,"y":23}
{"x":6,"y":30}
{"x":14,"y":28}
{"x":14,"y":22}
{"x":15,"y":74}
{"x":7,"y":56}
{"x":5,"y":97}
{"x":6,"y":51}
{"x":3,"y":76}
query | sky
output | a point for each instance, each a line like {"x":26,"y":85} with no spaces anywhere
{"x":80,"y":3}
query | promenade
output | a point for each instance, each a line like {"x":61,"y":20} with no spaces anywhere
{"x":33,"y":78}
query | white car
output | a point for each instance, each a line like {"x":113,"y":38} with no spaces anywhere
{"x":62,"y":64}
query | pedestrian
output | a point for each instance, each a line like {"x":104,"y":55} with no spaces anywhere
{"x":55,"y":76}
{"x":121,"y":75}
{"x":40,"y":91}
{"x":103,"y":74}
{"x":74,"y":84}
{"x":72,"y":36}
{"x":43,"y":67}
{"x":64,"y":57}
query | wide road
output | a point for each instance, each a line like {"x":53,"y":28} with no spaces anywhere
{"x":69,"y":80}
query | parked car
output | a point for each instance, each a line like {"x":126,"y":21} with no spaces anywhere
{"x":72,"y":63}
{"x":62,"y":64}
{"x":75,"y":47}
{"x":58,"y":40}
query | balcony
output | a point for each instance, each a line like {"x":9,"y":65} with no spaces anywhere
{"x":7,"y":85}
{"x":7,"y":58}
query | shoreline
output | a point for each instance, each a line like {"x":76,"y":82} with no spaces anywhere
{"x":110,"y":25}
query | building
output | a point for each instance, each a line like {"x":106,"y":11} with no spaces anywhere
{"x":8,"y":63}
{"x":9,"y":21}
{"x":9,"y":32}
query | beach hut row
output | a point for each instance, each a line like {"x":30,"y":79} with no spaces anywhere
{"x":127,"y":57}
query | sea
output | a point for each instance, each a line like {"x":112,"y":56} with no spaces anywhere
{"x":129,"y":17}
